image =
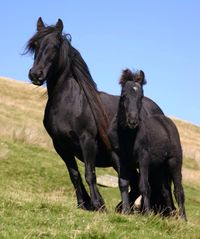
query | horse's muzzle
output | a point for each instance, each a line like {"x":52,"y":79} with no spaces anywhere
{"x":36,"y":77}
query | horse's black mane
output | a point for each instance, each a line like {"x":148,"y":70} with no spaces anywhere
{"x":83,"y":77}
{"x":79,"y":64}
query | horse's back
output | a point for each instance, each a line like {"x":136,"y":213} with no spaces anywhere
{"x":149,"y":107}
{"x":161,"y":137}
{"x":110,"y":104}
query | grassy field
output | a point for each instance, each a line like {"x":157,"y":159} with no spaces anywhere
{"x":37,"y":199}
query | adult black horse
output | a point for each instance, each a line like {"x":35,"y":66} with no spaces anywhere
{"x":77,"y":115}
{"x":156,"y":148}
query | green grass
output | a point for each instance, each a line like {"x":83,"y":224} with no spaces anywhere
{"x":37,"y":200}
{"x":190,"y":163}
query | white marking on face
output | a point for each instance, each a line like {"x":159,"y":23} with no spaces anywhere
{"x":135,"y":88}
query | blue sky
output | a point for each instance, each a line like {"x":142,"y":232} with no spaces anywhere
{"x":160,"y":37}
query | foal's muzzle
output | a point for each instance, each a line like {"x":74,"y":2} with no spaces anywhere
{"x":132,"y":121}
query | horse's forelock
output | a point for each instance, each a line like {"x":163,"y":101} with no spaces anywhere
{"x":42,"y":33}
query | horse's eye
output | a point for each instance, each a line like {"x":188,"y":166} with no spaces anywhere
{"x":36,"y":45}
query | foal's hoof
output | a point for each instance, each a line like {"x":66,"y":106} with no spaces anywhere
{"x":129,"y":210}
{"x":147,"y":212}
{"x":167,"y":212}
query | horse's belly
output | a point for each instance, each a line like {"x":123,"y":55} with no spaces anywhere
{"x":103,"y":159}
{"x":70,"y":141}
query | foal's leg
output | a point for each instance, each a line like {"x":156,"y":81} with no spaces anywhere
{"x":83,"y":199}
{"x":123,"y":181}
{"x":161,"y":196}
{"x":88,"y":145}
{"x":134,"y":185}
{"x":144,"y":183}
{"x":167,"y":195}
{"x":175,"y":170}
{"x":132,"y":195}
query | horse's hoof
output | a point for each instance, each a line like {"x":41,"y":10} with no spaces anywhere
{"x":85,"y":206}
{"x":118,"y":208}
{"x":99,"y":208}
{"x":130,"y":210}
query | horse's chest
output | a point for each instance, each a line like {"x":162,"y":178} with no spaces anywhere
{"x":57,"y":123}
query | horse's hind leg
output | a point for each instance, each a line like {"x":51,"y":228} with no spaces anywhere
{"x":83,"y":199}
{"x":175,"y":171}
{"x":88,"y":145}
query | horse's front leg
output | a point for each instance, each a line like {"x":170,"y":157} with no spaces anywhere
{"x":89,"y":150}
{"x":83,"y":199}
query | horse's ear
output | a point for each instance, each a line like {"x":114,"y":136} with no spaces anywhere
{"x":59,"y":25}
{"x":40,"y":24}
{"x":140,"y":77}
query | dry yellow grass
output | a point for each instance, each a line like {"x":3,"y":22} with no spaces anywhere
{"x":21,"y":114}
{"x":190,"y":139}
{"x":21,"y":111}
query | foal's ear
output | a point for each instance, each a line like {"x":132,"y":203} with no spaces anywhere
{"x":59,"y":25}
{"x":127,"y":75}
{"x":140,"y":77}
{"x":40,"y":24}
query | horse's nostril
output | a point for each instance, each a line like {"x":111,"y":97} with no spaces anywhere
{"x":35,"y":74}
{"x":39,"y":74}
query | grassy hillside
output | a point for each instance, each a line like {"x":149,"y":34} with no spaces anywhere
{"x":37,"y":199}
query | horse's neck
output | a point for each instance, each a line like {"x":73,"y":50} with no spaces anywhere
{"x":63,"y":87}
{"x":56,"y":82}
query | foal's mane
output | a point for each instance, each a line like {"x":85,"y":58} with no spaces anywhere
{"x":81,"y":73}
{"x":128,"y":75}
